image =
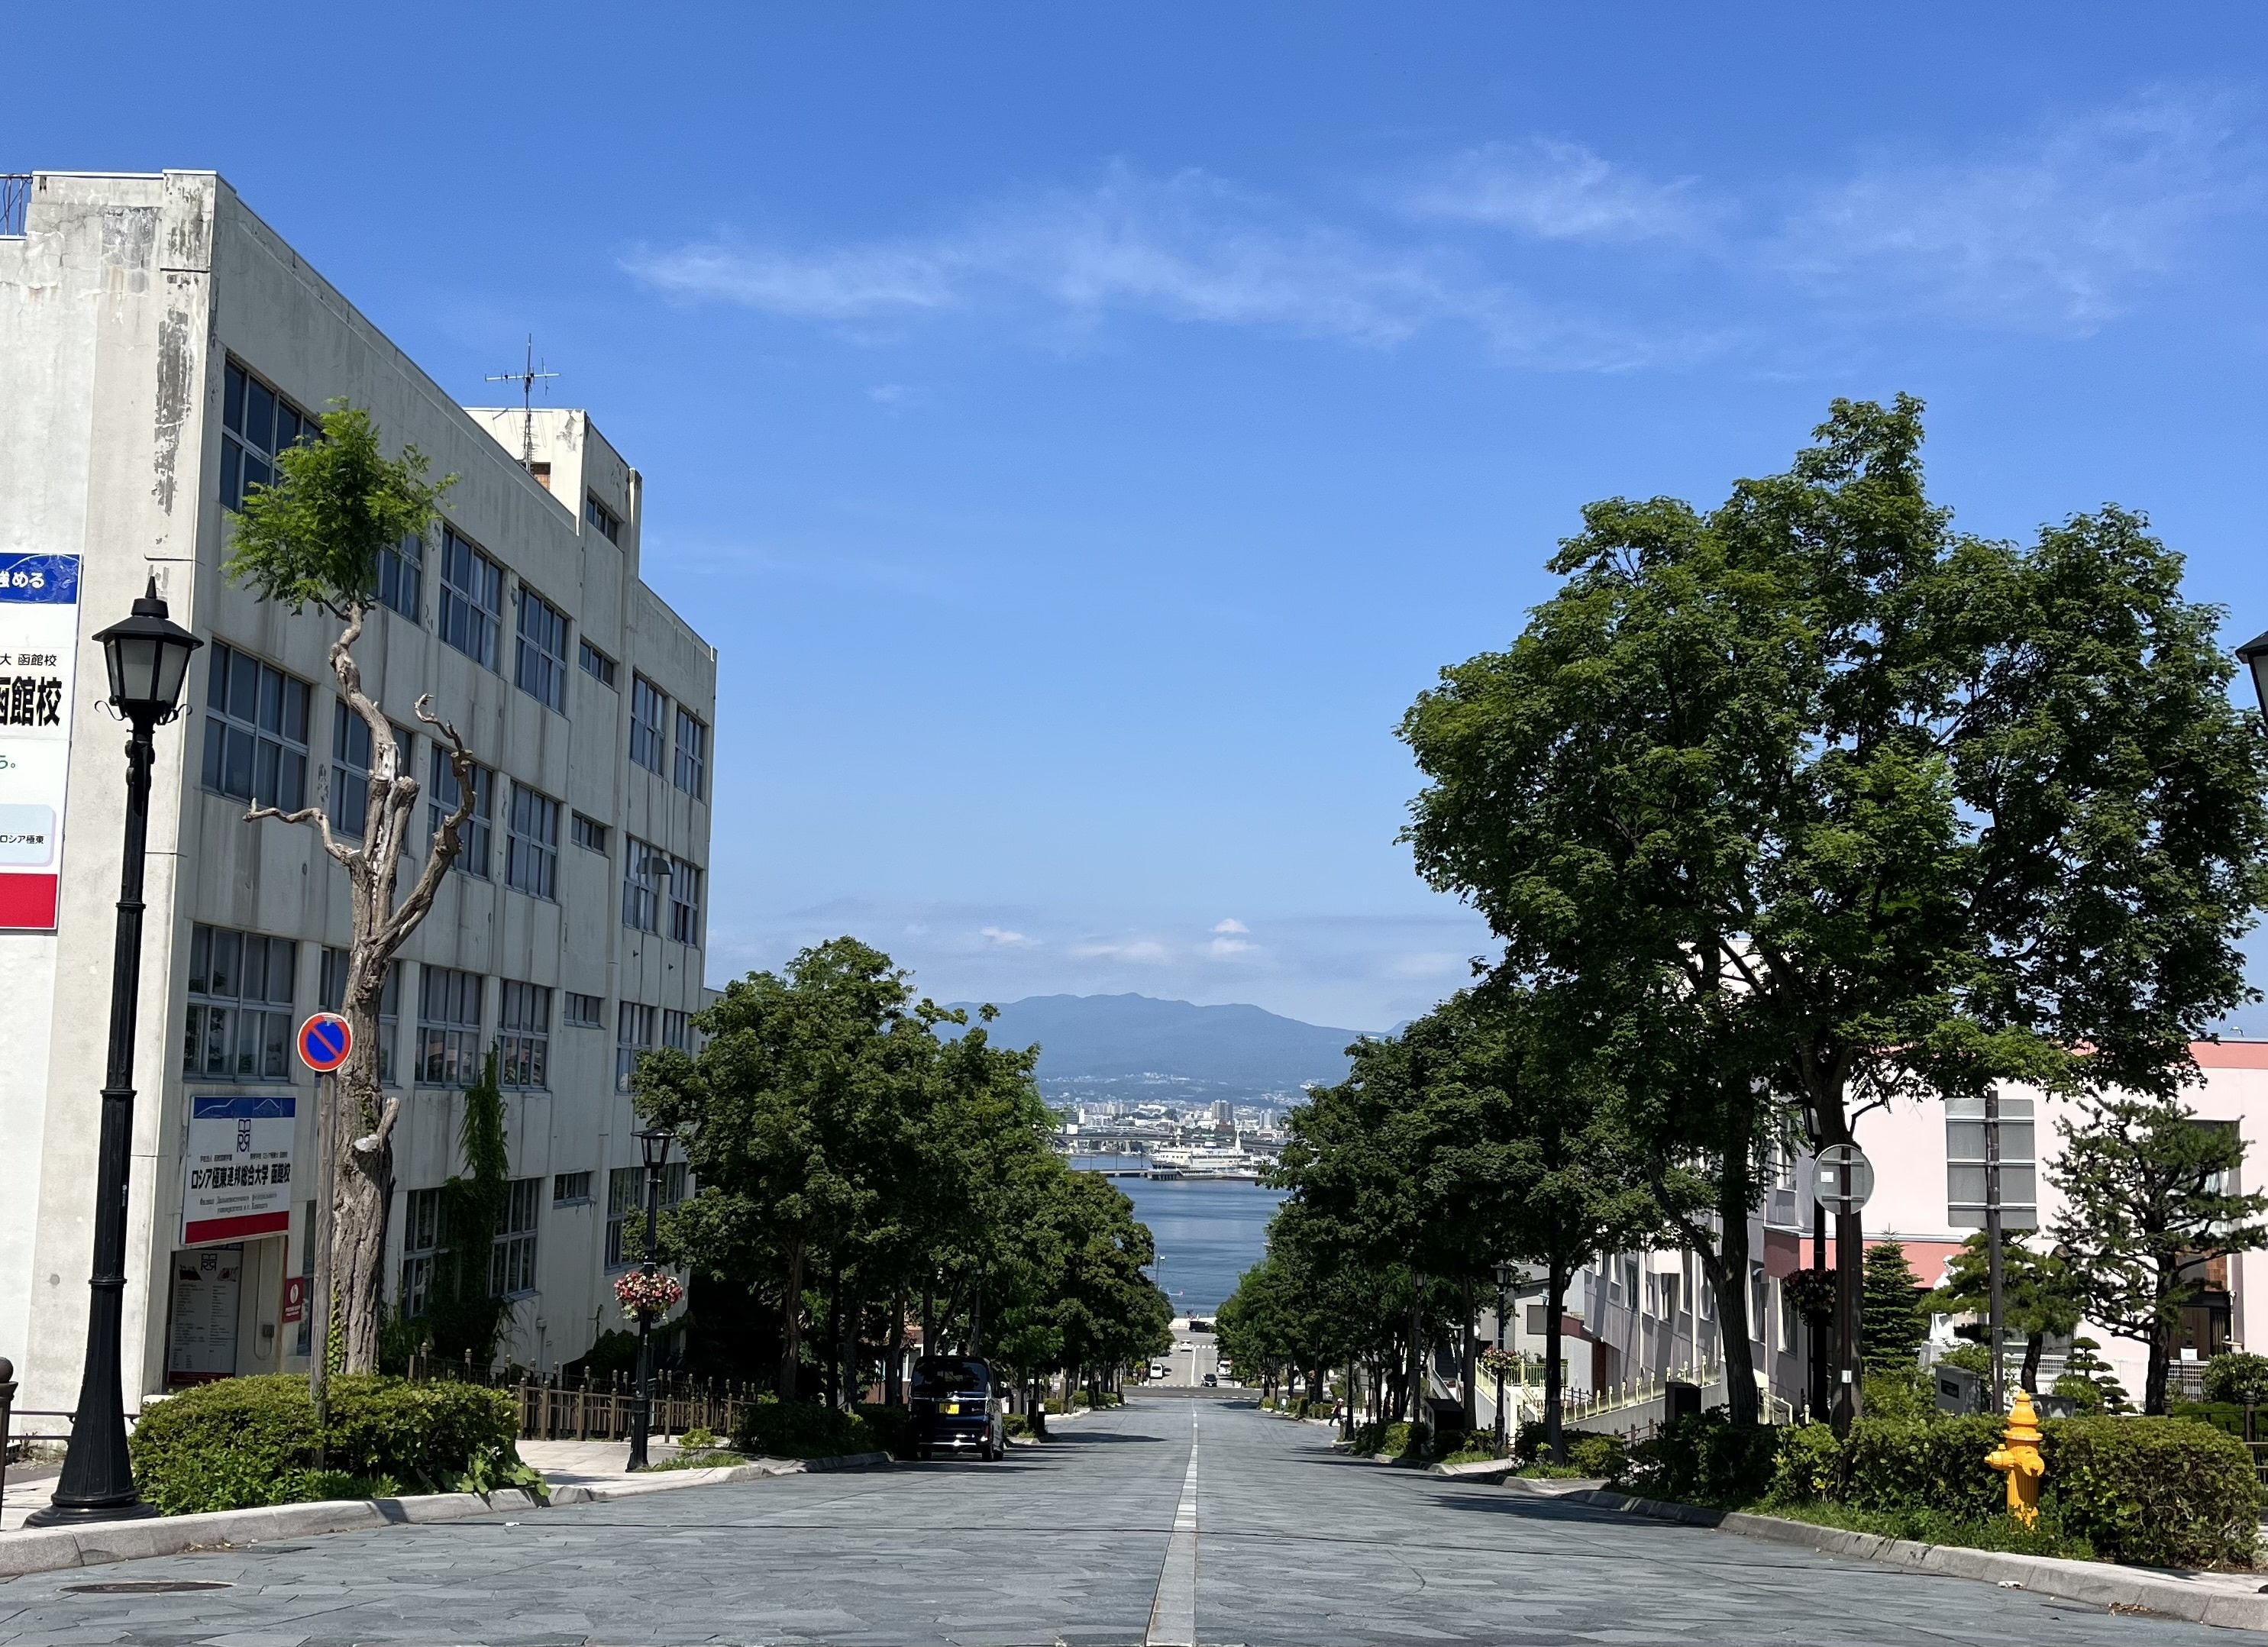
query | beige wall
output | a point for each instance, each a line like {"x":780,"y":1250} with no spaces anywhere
{"x":117,"y":311}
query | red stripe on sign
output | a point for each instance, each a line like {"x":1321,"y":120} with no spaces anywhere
{"x":233,"y":1229}
{"x":27,"y":902}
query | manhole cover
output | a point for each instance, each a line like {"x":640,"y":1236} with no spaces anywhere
{"x":146,"y":1587}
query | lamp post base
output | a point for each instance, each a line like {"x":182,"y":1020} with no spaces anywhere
{"x":128,"y":1508}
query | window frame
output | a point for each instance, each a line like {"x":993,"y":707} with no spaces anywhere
{"x":539,"y":668}
{"x":226,"y":729}
{"x":531,"y":857}
{"x":643,"y":895}
{"x":270,"y":1016}
{"x":650,"y":737}
{"x":449,"y":1043}
{"x":597,"y":514}
{"x":511,"y":1248}
{"x":472,"y":598}
{"x":523,"y":1036}
{"x":589,"y":834}
{"x":684,"y":909}
{"x":634,"y":1027}
{"x":690,"y":771}
{"x":596,"y":665}
{"x":401,"y":577}
{"x":573,"y":1015}
{"x":240,"y":453}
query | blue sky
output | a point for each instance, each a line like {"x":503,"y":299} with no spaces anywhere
{"x":1085,"y":429}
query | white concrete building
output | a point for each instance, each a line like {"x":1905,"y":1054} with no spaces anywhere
{"x":1636,"y":1318}
{"x":158,"y":344}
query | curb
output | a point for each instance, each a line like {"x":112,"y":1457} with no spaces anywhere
{"x":2190,"y":1596}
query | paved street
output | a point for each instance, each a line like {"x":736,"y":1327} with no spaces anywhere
{"x":1283,"y":1541}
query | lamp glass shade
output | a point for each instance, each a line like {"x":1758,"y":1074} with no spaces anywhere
{"x":147,"y":655}
{"x":654,"y":1145}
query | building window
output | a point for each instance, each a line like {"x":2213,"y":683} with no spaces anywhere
{"x":350,"y":754}
{"x":648,"y":746}
{"x":582,"y":1011}
{"x":448,"y":1026}
{"x":599,"y":666}
{"x":644,"y":870}
{"x":512,"y":1260}
{"x":692,"y":756}
{"x":524,"y":1035}
{"x":256,"y":423}
{"x":590,"y":834}
{"x":532,"y":851}
{"x":677,"y":1030}
{"x":402,"y":577}
{"x":239,"y":1005}
{"x":684,"y":902}
{"x":472,"y":598}
{"x":474,"y":835}
{"x":608,"y":523}
{"x":633,"y":1034}
{"x":569,"y":1189}
{"x":389,"y":1005}
{"x":541,"y":670}
{"x":625,"y":1201}
{"x":256,"y":731}
{"x":423,"y":1230}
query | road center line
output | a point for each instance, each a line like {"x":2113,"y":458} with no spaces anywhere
{"x":1174,"y":1612}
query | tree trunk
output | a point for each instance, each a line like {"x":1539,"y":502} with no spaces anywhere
{"x":829,"y":1355}
{"x":791,"y":1366}
{"x":1417,"y":1412}
{"x":2154,"y":1404}
{"x":853,"y":1313}
{"x":1726,"y":1268}
{"x":1468,"y":1362}
{"x":894,"y":1380}
{"x":2029,"y":1378}
{"x":1555,"y":1302}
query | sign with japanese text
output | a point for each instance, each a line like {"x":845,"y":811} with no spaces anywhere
{"x":236,"y":1168}
{"x":39,"y":641}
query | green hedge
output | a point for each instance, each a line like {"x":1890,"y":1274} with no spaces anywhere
{"x":1700,"y":1457}
{"x":804,"y":1430}
{"x":2155,"y":1492}
{"x":1589,"y":1453}
{"x":237,"y":1443}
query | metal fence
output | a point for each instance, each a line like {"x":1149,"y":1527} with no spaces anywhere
{"x":602,"y":1409}
{"x":15,"y":201}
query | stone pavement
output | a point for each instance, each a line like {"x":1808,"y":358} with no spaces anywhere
{"x":1286,"y":1543}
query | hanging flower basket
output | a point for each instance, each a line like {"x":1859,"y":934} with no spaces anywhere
{"x":641,"y":1293}
{"x":1494,"y":1361}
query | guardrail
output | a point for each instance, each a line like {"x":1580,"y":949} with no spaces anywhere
{"x":603,"y":1409}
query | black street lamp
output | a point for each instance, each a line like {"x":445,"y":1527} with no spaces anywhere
{"x":148,"y":657}
{"x":2254,"y":655}
{"x":653,"y":1147}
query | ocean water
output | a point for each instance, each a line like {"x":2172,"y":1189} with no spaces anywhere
{"x":1208,"y":1233}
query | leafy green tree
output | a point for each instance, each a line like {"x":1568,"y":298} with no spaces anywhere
{"x":2087,"y":1378}
{"x":1895,"y":1324}
{"x":2038,"y":1296}
{"x":2148,"y":1204}
{"x":1944,"y":810}
{"x":312,"y":538}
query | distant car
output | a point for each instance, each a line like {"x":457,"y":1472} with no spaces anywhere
{"x":1212,"y":1381}
{"x":957,"y":1407}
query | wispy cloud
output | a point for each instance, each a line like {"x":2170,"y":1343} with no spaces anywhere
{"x":1003,"y":937}
{"x":2051,"y":233}
{"x":1559,"y":191}
{"x":1149,"y":952}
{"x":1231,"y":924}
{"x":1190,"y":247}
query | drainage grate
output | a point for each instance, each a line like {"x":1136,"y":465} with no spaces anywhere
{"x":146,"y":1587}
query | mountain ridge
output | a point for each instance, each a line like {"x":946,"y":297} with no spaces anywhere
{"x":1129,"y":1039}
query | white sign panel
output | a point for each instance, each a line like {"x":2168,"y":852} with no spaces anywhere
{"x":1964,"y":1165}
{"x":236,"y":1169}
{"x":38,"y":642}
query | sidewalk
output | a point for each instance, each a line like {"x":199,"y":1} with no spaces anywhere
{"x":588,"y":1463}
{"x":29,"y":1487}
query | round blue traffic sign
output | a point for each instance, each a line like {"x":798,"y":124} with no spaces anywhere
{"x":325,"y":1040}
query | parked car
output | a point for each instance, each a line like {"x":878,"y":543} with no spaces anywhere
{"x":958,"y":1407}
{"x":1212,"y":1380}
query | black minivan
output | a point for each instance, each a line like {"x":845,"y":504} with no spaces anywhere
{"x":957,"y":1408}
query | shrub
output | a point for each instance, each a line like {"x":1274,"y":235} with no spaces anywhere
{"x":1379,"y":1436}
{"x":1935,"y":1463}
{"x":700,"y":1439}
{"x":2238,"y":1379}
{"x":888,"y":1426}
{"x":1590,"y":1453}
{"x":1809,"y":1468}
{"x":1701,"y":1458}
{"x":238,"y":1442}
{"x":2159,"y":1492}
{"x":802,"y":1430}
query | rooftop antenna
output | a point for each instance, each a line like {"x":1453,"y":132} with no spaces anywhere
{"x":528,"y":377}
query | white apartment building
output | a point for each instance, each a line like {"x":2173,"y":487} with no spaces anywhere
{"x":1634,"y":1319}
{"x":159,"y":345}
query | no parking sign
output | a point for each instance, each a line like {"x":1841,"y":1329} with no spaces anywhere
{"x":325,"y":1040}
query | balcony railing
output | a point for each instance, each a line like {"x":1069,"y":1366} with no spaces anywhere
{"x":15,"y":201}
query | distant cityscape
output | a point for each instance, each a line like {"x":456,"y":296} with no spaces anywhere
{"x":1215,"y":1138}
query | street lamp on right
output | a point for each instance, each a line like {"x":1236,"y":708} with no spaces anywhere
{"x":1506,"y":1273}
{"x":653,"y":1150}
{"x":2254,"y":655}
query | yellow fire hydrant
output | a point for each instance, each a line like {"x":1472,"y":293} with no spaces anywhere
{"x":2018,"y":1456}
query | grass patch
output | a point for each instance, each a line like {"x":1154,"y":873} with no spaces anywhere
{"x":1934,"y":1526}
{"x":710,"y":1459}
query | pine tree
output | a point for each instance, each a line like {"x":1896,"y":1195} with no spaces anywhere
{"x":1892,"y":1322}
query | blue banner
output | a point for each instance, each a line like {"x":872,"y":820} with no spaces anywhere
{"x":246,"y":1109}
{"x":47,"y":580}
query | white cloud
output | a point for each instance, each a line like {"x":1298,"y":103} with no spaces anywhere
{"x":1221,"y":948}
{"x":1005,"y":938}
{"x":1559,"y":191}
{"x":1189,"y":247}
{"x":2053,"y":234}
{"x":1146,"y":951}
{"x":1231,"y":924}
